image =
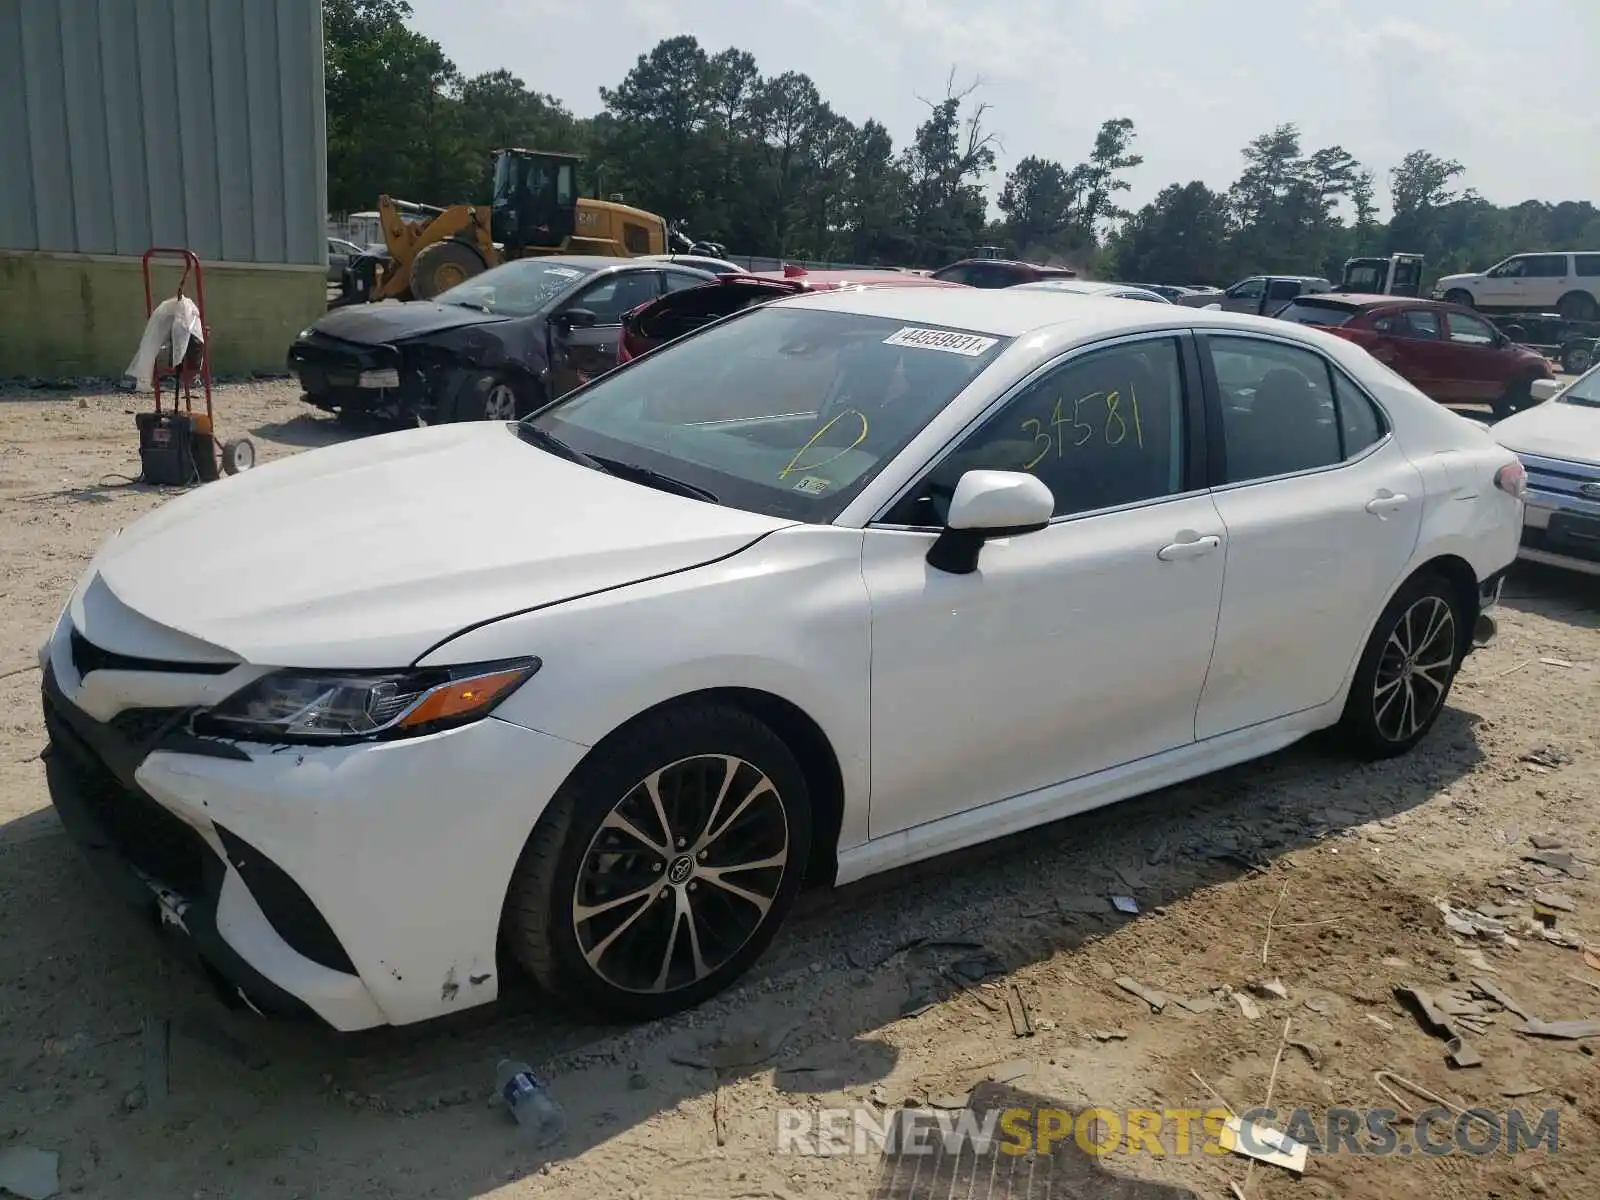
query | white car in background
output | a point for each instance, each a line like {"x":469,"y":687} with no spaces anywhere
{"x":835,"y":584}
{"x":1092,"y":287}
{"x":1559,"y":445}
{"x":1567,"y":282}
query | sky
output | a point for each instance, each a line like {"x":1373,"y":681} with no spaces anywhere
{"x":1505,"y":87}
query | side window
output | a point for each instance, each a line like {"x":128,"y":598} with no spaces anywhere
{"x":618,"y":294}
{"x":678,"y":281}
{"x":1512,"y":268}
{"x":1546,"y":266}
{"x":1470,"y":331}
{"x":1250,"y":289}
{"x":1101,"y":430}
{"x":1588,"y":265}
{"x":1283,"y":289}
{"x":1420,"y":323}
{"x":1277,"y":410}
{"x":955,"y":275}
{"x":1360,"y":424}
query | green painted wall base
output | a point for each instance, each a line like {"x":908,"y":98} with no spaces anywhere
{"x":65,"y":315}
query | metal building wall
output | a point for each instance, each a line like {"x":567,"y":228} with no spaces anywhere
{"x":131,"y":123}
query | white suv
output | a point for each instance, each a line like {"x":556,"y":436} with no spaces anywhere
{"x":1567,"y":282}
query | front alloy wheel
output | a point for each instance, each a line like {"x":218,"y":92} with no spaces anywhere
{"x":662,"y":868}
{"x":500,"y":402}
{"x":680,"y":874}
{"x":1405,"y":672}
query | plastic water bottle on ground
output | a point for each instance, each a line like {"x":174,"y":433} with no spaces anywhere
{"x":530,"y":1102}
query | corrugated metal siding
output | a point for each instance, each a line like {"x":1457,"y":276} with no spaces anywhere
{"x":131,"y":123}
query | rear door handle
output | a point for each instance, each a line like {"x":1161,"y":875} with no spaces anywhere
{"x":1197,"y":548}
{"x":1380,"y":506}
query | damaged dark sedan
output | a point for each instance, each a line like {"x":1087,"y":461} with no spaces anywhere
{"x":495,"y":347}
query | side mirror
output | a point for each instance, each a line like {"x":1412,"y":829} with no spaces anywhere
{"x":1544,"y":389}
{"x":577,"y":318}
{"x":1212,"y":307}
{"x":989,"y":504}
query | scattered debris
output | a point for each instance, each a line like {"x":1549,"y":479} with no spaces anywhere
{"x":1469,"y":922}
{"x":1132,"y":986}
{"x":1380,"y":1022}
{"x":1021,"y":1018}
{"x":1500,"y":996}
{"x":1109,"y":1035}
{"x":1270,"y":989}
{"x":30,"y":1173}
{"x":1461,"y":1055}
{"x":718,"y":1124}
{"x":1553,"y":900}
{"x":729,"y":1055}
{"x":1416,"y":1089}
{"x":973,"y":991}
{"x":1592,"y":959}
{"x":1319,"y":1006}
{"x":1196,"y":1004}
{"x":1514,"y":1090}
{"x":1566,"y":1031}
{"x":1561,"y":860}
{"x":1545,"y":756}
{"x":1309,"y":1049}
{"x":1008,"y":1071}
{"x":1263,"y":1144}
{"x":1433,"y":1020}
{"x":1555,"y":662}
{"x":1545,"y":841}
{"x":1391,"y":960}
{"x":950,"y":1101}
{"x":1251,"y":1011}
{"x":1125,"y":904}
{"x":1476,"y":960}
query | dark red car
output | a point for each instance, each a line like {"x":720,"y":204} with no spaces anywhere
{"x":999,"y":272}
{"x":1447,"y":352}
{"x":677,"y":313}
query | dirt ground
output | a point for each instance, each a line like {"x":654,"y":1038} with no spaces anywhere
{"x":1346,"y":862}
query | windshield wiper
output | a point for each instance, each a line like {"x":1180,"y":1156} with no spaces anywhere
{"x":546,"y":440}
{"x":657,"y":479}
{"x":475,"y":305}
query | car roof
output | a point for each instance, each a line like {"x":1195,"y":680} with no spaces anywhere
{"x":588,"y":262}
{"x":1005,"y":262}
{"x":1369,"y":300}
{"x":1012,"y":312}
{"x":823,"y":280}
{"x":1090,"y":287}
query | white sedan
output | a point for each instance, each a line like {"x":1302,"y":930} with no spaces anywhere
{"x":835,"y":584}
{"x":1095,"y":287}
{"x":1559,"y":445}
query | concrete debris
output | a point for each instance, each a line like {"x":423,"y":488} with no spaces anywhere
{"x":1125,"y":904}
{"x":1196,"y":1004}
{"x":1270,"y":989}
{"x":1560,"y":860}
{"x":1386,"y":1026}
{"x":1309,"y":1049}
{"x":1133,"y":987}
{"x":1566,"y":1031}
{"x":949,"y":1101}
{"x":29,"y":1173}
{"x":1264,"y":1144}
{"x":1553,"y":900}
{"x":1545,"y":841}
{"x":1432,"y":1018}
{"x":1461,"y":1055}
{"x":1319,"y":1006}
{"x":1251,"y":1011}
{"x":1512,"y":1091}
{"x":1487,"y":987}
{"x":1545,"y":756}
{"x":1109,"y":1035}
{"x":1009,"y":1071}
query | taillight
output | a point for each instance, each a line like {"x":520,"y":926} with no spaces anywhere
{"x":623,"y":353}
{"x":1512,"y":479}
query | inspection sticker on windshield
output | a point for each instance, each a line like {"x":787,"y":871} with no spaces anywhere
{"x":969,"y":344}
{"x":813,"y":485}
{"x":563,"y":272}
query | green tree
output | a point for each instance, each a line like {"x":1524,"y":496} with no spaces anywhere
{"x":1041,"y":201}
{"x":1101,"y":176}
{"x":1180,"y":237}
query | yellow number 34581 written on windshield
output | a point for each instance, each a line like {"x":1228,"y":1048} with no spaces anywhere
{"x":1075,"y":425}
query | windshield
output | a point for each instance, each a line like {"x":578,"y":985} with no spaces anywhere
{"x":783,"y":411}
{"x":1585,"y":392}
{"x":1367,"y":277}
{"x":517,"y":289}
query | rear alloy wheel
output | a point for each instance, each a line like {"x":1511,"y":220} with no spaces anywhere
{"x":1576,"y":357}
{"x":1459,"y":296}
{"x":664,"y":866}
{"x":1578,"y":306}
{"x":1405,"y":672}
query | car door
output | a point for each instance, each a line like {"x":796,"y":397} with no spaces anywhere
{"x":586,"y":330}
{"x":1245,"y":296}
{"x":1415,"y":348}
{"x":1070,"y":650}
{"x":1279,"y":293}
{"x":1503,"y":285}
{"x":1472,"y":359}
{"x":1322,"y":510}
{"x":1547,"y":278}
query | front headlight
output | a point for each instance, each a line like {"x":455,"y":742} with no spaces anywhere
{"x":322,"y":707}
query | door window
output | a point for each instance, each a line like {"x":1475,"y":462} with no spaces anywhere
{"x":1283,"y":289}
{"x":1278,"y":413}
{"x":1102,"y":430}
{"x":679,"y":281}
{"x":1250,"y":289}
{"x":1545,"y":266}
{"x":1419,"y":323}
{"x":1360,"y":423}
{"x":1471,"y":331}
{"x":617,"y":294}
{"x":1512,"y":268}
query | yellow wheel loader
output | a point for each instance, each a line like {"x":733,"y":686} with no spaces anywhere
{"x":535,"y":210}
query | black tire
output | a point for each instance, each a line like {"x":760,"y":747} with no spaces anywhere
{"x":1576,"y":357}
{"x":493,"y":396}
{"x":680,"y":748}
{"x":1371,"y":726}
{"x":441,"y":266}
{"x":1578,"y":306}
{"x":1459,"y":296}
{"x":1514,"y":399}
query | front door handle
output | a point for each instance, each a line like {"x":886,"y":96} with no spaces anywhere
{"x":1197,"y":548}
{"x":1380,"y":506}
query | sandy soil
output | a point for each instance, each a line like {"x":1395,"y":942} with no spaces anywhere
{"x":1351,"y":859}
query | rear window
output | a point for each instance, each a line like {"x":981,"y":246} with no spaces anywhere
{"x":1310,"y":312}
{"x":1588,"y":264}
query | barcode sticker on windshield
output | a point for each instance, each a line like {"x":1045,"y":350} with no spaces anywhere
{"x":563,"y":272}
{"x":969,"y":344}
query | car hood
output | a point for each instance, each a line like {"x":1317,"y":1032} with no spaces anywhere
{"x":1468,"y":277}
{"x":378,"y":324}
{"x":369,"y":553}
{"x":1552,"y":430}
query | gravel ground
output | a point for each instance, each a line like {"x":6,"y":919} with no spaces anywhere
{"x":1351,"y":859}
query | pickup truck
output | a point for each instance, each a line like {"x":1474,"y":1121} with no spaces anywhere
{"x":1260,"y":294}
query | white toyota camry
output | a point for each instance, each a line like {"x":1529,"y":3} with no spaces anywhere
{"x":832,"y":585}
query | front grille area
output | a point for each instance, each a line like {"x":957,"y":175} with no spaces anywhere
{"x":143,"y":832}
{"x":1569,"y":535}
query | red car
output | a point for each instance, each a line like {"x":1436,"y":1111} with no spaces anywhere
{"x":1447,"y":352}
{"x":677,"y":313}
{"x":999,"y":272}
